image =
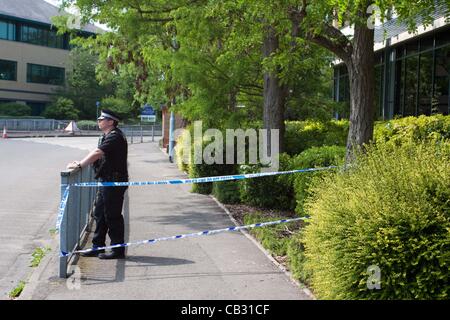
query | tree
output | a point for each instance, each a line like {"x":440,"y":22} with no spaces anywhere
{"x":319,"y":21}
{"x":63,"y":109}
{"x":82,"y":86}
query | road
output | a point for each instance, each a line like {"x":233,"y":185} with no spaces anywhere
{"x":223,"y":266}
{"x":29,"y":198}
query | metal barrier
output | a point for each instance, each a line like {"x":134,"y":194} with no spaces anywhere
{"x":136,"y":134}
{"x":77,"y":213}
{"x":33,"y":124}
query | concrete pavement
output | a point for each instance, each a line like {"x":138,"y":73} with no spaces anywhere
{"x":223,"y":266}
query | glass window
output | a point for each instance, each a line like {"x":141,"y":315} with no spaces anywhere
{"x":7,"y":30}
{"x":443,"y":38}
{"x":45,"y":74}
{"x":42,"y":37}
{"x":426,"y":43}
{"x":425,"y":83}
{"x":441,"y":99}
{"x":412,"y":47}
{"x":8,"y":70}
{"x":378,"y":89}
{"x":411,"y":68}
{"x":399,"y":87}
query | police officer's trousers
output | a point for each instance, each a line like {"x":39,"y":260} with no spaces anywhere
{"x":108,"y":217}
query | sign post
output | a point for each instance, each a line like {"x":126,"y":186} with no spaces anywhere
{"x":148,"y":114}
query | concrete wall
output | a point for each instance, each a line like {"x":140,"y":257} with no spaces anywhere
{"x":24,"y":53}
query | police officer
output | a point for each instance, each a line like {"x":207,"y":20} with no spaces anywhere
{"x":110,"y":165}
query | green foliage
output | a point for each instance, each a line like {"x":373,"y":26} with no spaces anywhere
{"x":15,"y":293}
{"x":399,"y":131}
{"x":297,"y":258}
{"x":14,"y":109}
{"x":183,"y":155}
{"x":391,"y":209}
{"x":274,"y":238}
{"x":302,"y":135}
{"x":120,"y":106}
{"x":313,"y":157}
{"x":275,"y":192}
{"x":226,"y":191}
{"x":37,"y":255}
{"x":82,"y":86}
{"x":87,"y":125}
{"x":200,"y":168}
{"x":62,"y":108}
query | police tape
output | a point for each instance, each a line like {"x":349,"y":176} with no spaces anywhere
{"x":197,"y":180}
{"x":62,"y":208}
{"x":181,"y":236}
{"x":173,"y":181}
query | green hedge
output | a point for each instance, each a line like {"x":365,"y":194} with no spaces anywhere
{"x":302,"y":135}
{"x":208,"y":170}
{"x":13,"y":109}
{"x":227,"y":191}
{"x":403,"y":130}
{"x":272,"y":192}
{"x":311,"y":158}
{"x":391,"y":210}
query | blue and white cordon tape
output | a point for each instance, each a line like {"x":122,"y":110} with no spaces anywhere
{"x":181,"y":236}
{"x":65,"y":197}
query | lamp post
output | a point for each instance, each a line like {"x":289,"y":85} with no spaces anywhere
{"x":97,"y":103}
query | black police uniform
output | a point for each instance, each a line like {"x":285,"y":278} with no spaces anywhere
{"x":112,"y":167}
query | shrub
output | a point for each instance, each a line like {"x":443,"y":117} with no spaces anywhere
{"x":402,"y":130}
{"x":181,"y":152}
{"x":226,"y":191}
{"x":14,"y":109}
{"x":87,"y":125}
{"x":311,"y":158}
{"x":302,"y":135}
{"x":272,"y":192}
{"x":296,"y":258}
{"x":62,"y":108}
{"x":198,"y":170}
{"x":392,"y":210}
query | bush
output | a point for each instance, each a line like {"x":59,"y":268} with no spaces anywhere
{"x":272,"y":192}
{"x":403,"y":130}
{"x":392,"y":210}
{"x":181,"y":152}
{"x":14,"y":109}
{"x":207,"y":170}
{"x":296,"y":258}
{"x":226,"y":191}
{"x":62,"y":108}
{"x":312,"y":158}
{"x":302,"y":135}
{"x":87,"y":125}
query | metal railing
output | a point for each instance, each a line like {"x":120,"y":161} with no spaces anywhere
{"x":33,"y":124}
{"x":137,"y":134}
{"x":74,"y":225}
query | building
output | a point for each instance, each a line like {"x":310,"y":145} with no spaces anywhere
{"x":411,"y":70}
{"x":33,"y":58}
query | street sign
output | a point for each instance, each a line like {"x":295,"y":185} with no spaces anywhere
{"x":148,"y":114}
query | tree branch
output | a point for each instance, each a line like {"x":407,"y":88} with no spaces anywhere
{"x":331,"y":38}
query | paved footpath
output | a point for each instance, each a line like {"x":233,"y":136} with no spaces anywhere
{"x":222,"y":266}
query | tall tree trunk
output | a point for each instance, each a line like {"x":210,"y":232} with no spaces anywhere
{"x":362,"y":90}
{"x":274,"y":93}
